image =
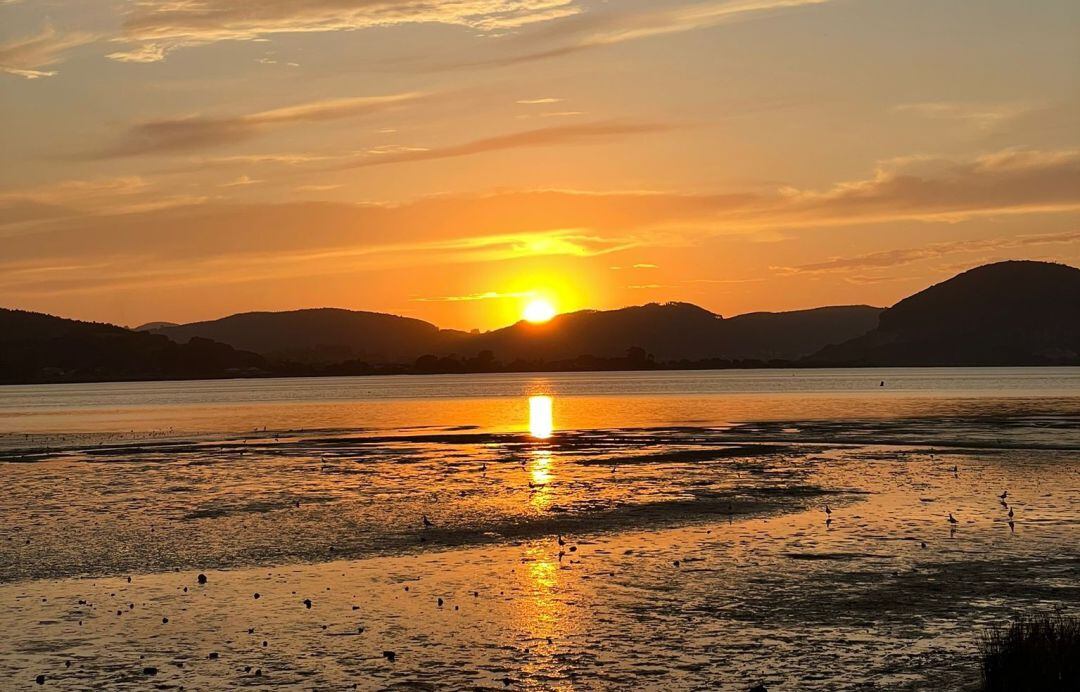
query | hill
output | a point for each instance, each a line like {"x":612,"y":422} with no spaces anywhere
{"x":151,"y":326}
{"x":41,"y":348}
{"x":679,"y":331}
{"x":1008,"y":313}
{"x":322,"y":335}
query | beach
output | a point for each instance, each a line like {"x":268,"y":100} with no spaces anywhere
{"x":696,"y":531}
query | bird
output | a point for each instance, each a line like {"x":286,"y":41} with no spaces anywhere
{"x":1004,"y":495}
{"x":952,"y":519}
{"x":828,"y":510}
{"x":561,"y":540}
{"x":1010,"y":513}
{"x":427,"y":522}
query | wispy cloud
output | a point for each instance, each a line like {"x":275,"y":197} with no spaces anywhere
{"x":934,"y":188}
{"x":546,"y":136}
{"x":26,"y":57}
{"x":199,"y":132}
{"x":241,"y":241}
{"x":487,"y":295}
{"x":596,"y":29}
{"x":153,"y":28}
{"x":901,"y":256}
{"x":981,"y":117}
{"x":83,"y":198}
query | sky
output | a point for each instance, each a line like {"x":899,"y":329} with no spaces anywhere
{"x":453,"y":160}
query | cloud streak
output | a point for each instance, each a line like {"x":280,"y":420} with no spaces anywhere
{"x":472,"y":297}
{"x":237,"y":242}
{"x":169,"y":135}
{"x":540,"y":137}
{"x":587,"y":31}
{"x":902,"y":256}
{"x":153,"y":28}
{"x":25,"y":57}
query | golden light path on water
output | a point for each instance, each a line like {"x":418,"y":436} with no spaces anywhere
{"x":541,"y":423}
{"x":541,"y":427}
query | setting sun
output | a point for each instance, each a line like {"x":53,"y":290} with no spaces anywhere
{"x":539,"y":310}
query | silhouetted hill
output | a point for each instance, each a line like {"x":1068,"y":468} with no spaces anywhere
{"x":679,"y":331}
{"x":41,"y":348}
{"x":671,"y":331}
{"x":322,"y":335}
{"x":151,"y":326}
{"x":1009,"y":313}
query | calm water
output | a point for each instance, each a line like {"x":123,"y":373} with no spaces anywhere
{"x":587,"y":531}
{"x":500,"y":402}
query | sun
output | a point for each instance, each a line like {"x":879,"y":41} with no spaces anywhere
{"x":539,"y":310}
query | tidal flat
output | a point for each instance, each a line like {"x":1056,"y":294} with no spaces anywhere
{"x":801,"y":554}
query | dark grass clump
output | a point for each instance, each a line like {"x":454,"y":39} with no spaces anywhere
{"x":1032,"y":654}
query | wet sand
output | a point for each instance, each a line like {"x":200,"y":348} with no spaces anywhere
{"x":693,"y":558}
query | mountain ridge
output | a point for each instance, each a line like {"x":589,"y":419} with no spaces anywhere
{"x":1006,"y":313}
{"x":1017,"y":312}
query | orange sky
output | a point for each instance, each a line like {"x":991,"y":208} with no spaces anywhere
{"x":455,"y":160}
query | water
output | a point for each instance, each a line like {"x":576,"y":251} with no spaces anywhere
{"x":499,"y":401}
{"x":589,"y":531}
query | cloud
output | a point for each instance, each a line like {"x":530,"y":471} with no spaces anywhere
{"x":933,"y":188}
{"x":982,"y":117}
{"x":78,"y":199}
{"x":901,"y":256}
{"x":487,"y":295}
{"x":201,"y":132}
{"x":228,"y":242}
{"x":153,"y":28}
{"x":25,"y":57}
{"x":546,"y":136}
{"x":585,"y":31}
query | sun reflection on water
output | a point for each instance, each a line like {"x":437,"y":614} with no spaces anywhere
{"x":541,"y":479}
{"x":541,"y":423}
{"x":543,"y":613}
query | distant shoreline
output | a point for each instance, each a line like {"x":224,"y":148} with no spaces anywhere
{"x":395,"y":371}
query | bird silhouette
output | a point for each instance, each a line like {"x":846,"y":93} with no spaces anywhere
{"x":1004,"y":495}
{"x":952,"y":519}
{"x":427,"y":522}
{"x":828,"y":510}
{"x":1010,"y":513}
